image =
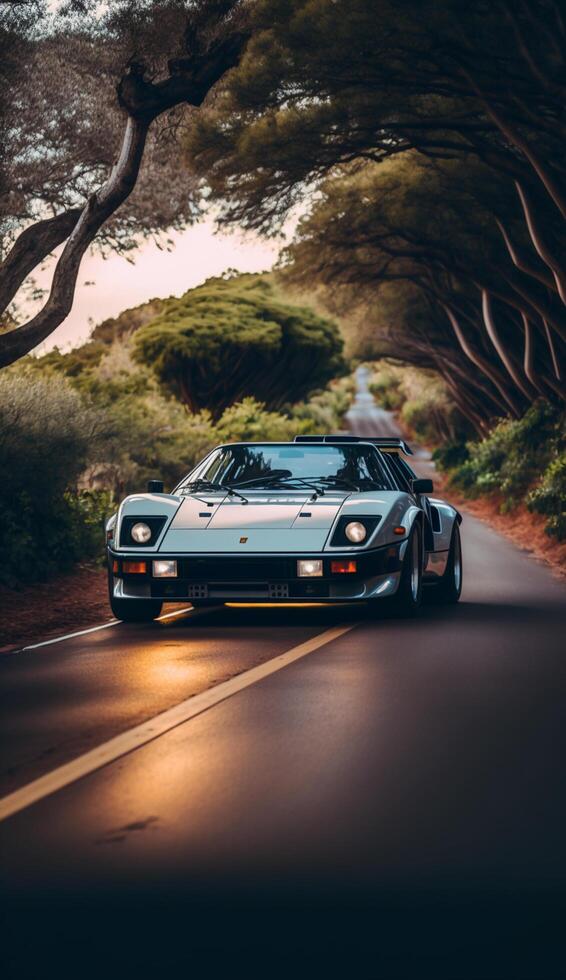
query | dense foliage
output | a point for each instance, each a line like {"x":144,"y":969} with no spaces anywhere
{"x":78,"y":430}
{"x":402,"y":239}
{"x":233,"y":338}
{"x":326,"y":82}
{"x":47,"y":437}
{"x":433,"y":135}
{"x":520,"y":462}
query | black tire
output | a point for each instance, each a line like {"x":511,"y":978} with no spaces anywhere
{"x":408,"y":598}
{"x":449,"y":588}
{"x":132,"y":610}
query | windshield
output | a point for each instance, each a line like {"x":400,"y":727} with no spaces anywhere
{"x":347,"y":466}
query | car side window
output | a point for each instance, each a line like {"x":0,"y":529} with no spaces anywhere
{"x":392,"y":476}
{"x":378,"y":471}
{"x":403,"y":478}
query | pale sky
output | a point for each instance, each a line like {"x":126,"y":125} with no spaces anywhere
{"x":198,"y":254}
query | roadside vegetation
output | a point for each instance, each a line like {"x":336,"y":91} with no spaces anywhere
{"x":520,"y":464}
{"x":424,"y":146}
{"x":78,"y":430}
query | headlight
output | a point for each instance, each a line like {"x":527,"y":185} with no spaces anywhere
{"x":355,"y":531}
{"x":141,"y":533}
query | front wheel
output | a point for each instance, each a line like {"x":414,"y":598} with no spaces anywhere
{"x":449,"y":588}
{"x":407,"y":600}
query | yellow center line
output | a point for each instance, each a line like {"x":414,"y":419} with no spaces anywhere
{"x":149,"y":730}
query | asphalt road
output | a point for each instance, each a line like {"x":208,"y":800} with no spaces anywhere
{"x":390,"y":804}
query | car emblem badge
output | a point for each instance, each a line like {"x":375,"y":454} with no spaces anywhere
{"x":243,"y":540}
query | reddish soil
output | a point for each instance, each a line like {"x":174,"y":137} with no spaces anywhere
{"x":40,"y":611}
{"x":524,"y":529}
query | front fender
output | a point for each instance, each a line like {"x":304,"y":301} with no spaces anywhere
{"x":147,"y":505}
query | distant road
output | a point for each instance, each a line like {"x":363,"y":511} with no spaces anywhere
{"x":365,"y":418}
{"x":385,"y":800}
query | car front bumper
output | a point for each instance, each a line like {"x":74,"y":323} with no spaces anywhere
{"x":259,"y":578}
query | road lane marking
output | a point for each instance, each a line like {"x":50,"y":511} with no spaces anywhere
{"x":94,"y":629}
{"x":149,"y":730}
{"x":177,"y":612}
{"x":70,"y":636}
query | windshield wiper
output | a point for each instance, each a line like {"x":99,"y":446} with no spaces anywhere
{"x":335,"y":480}
{"x":208,"y":485}
{"x":283,"y":481}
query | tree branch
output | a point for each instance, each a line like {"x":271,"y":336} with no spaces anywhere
{"x":189,"y":81}
{"x":32,"y":247}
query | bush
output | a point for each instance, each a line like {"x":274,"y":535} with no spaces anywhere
{"x":422,"y":401}
{"x":549,"y":498}
{"x":325,"y":411}
{"x":521,"y":461}
{"x":386,"y":387}
{"x":249,"y":419}
{"x":235,"y":338}
{"x":47,"y":437}
{"x":512,"y":457}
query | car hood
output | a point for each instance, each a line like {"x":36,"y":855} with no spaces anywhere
{"x":262,"y":511}
{"x":287,"y":522}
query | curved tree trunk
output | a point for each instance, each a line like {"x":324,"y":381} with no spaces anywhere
{"x":189,"y":81}
{"x":482,"y":364}
{"x":494,"y":336}
{"x":529,"y":360}
{"x":540,"y":245}
{"x":520,"y":263}
{"x":97,"y":210}
{"x":32,"y":247}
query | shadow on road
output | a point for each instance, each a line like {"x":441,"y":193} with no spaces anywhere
{"x":325,"y":616}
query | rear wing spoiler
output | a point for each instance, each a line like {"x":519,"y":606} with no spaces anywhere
{"x":386,"y":444}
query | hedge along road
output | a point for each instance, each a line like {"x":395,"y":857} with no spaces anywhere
{"x":388,"y":800}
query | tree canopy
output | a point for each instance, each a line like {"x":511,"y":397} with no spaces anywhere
{"x":417,"y":245}
{"x":430,"y":138}
{"x":325,"y":82}
{"x":96,"y":96}
{"x":232,"y":338}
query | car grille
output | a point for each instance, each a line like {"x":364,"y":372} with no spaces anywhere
{"x":238,"y":569}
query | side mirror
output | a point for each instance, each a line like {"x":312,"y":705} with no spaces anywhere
{"x":155,"y":486}
{"x":422,"y":486}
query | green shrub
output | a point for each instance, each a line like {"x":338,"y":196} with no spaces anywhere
{"x":521,"y":460}
{"x":325,"y":411}
{"x":47,"y":437}
{"x":549,"y":498}
{"x":235,"y":338}
{"x":512,"y":457}
{"x":451,"y":455}
{"x":386,"y":387}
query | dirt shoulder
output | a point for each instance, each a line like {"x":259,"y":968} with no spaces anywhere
{"x":43,"y":610}
{"x":524,"y":529}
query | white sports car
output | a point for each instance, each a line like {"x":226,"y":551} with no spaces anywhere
{"x":324,"y":518}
